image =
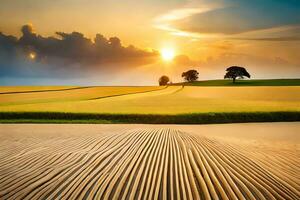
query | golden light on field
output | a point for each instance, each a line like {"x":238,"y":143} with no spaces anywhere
{"x":167,"y":54}
{"x":32,"y":55}
{"x":187,"y":100}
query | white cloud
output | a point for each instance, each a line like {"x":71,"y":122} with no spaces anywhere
{"x":164,"y":21}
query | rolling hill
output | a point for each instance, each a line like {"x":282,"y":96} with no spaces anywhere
{"x":245,"y":82}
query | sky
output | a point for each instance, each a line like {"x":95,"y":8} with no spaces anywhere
{"x":134,"y":42}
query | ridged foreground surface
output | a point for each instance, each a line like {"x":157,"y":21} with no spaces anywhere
{"x":144,"y":164}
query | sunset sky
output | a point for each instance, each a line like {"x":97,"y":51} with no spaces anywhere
{"x":133,"y":42}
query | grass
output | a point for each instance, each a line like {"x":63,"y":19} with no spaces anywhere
{"x":245,"y":82}
{"x":192,"y":118}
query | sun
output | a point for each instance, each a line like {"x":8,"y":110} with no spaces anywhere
{"x":32,"y":55}
{"x":167,"y":54}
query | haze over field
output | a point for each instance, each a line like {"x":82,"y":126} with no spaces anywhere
{"x":106,"y":43}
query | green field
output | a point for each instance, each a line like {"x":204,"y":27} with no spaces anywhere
{"x":172,"y":104}
{"x":255,"y":82}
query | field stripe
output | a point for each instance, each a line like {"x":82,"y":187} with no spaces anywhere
{"x":143,"y":164}
{"x":49,"y":90}
{"x":129,"y":93}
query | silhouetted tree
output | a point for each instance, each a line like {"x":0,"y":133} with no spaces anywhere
{"x":234,"y":72}
{"x":163,"y":80}
{"x":191,"y":75}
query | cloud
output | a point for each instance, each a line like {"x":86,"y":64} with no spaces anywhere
{"x":274,"y":39}
{"x":276,"y":34}
{"x":230,"y":17}
{"x":184,"y":60}
{"x":67,"y":53}
{"x":166,"y":21}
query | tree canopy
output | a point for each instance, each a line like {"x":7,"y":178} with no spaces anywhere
{"x":234,"y":72}
{"x":164,"y":80}
{"x":191,"y":75}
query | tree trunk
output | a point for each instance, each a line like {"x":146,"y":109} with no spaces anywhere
{"x":233,"y":80}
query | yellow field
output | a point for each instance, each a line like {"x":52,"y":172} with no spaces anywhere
{"x":63,"y":94}
{"x":156,"y":100}
{"x":233,"y":161}
{"x":5,"y":89}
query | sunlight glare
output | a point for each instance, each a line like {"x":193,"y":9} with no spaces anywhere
{"x":167,"y":54}
{"x":32,"y":56}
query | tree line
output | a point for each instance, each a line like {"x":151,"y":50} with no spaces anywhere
{"x":233,"y":72}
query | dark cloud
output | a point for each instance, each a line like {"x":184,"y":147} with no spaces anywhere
{"x":66,"y":52}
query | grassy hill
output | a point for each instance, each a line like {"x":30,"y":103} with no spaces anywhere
{"x":254,"y":82}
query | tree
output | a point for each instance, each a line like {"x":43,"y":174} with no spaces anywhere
{"x":234,"y":72}
{"x":163,"y":80}
{"x":191,"y":75}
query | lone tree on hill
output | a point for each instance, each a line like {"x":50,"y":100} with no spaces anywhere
{"x":163,"y":80}
{"x":234,"y":72}
{"x":191,"y":75}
